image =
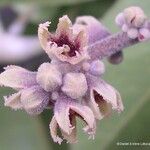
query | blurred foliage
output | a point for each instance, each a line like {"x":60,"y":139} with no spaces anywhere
{"x":18,"y":131}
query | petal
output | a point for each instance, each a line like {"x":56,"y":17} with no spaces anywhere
{"x":95,"y":30}
{"x":49,"y":77}
{"x":53,"y":130}
{"x":64,"y":27}
{"x":119,"y":102}
{"x":13,"y":101}
{"x":62,"y":112}
{"x":17,"y":77}
{"x":34,"y":100}
{"x":103,"y":95}
{"x":82,"y":39}
{"x":43,"y":34}
{"x":105,"y":107}
{"x":71,"y":138}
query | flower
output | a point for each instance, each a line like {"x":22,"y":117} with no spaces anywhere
{"x":74,"y":94}
{"x":65,"y":112}
{"x":30,"y":96}
{"x":71,"y":84}
{"x":67,"y":44}
{"x":133,"y":21}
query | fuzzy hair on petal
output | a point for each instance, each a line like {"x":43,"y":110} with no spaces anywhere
{"x":17,"y":78}
{"x":34,"y":100}
{"x":13,"y":101}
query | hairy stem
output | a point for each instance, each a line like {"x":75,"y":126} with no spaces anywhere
{"x":110,"y":45}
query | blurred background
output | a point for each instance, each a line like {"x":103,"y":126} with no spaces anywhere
{"x":19,"y":45}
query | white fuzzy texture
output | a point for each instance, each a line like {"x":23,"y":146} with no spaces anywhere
{"x":49,"y":77}
{"x":75,"y":85}
{"x":13,"y":101}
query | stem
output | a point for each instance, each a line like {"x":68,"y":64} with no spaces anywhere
{"x":110,"y":45}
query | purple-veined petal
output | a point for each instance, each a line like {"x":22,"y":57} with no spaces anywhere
{"x":17,"y":77}
{"x":49,"y":77}
{"x":34,"y":100}
{"x":13,"y":101}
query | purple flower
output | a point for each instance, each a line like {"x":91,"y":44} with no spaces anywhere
{"x":71,"y":84}
{"x":30,"y":96}
{"x":133,"y":21}
{"x":68,"y":44}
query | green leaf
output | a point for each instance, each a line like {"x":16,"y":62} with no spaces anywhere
{"x":131,"y":78}
{"x":48,"y":2}
{"x":19,"y":131}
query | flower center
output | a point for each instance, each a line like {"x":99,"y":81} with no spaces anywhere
{"x":74,"y":46}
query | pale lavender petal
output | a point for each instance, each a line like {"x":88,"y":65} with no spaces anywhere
{"x":64,"y":27}
{"x":44,"y":34}
{"x":103,"y":96}
{"x":71,"y":138}
{"x":53,"y":130}
{"x":34,"y":100}
{"x":61,"y":113}
{"x":17,"y":77}
{"x":13,"y":101}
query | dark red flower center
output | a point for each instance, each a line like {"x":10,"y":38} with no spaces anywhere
{"x":64,"y":40}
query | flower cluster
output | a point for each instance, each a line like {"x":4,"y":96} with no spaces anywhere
{"x":71,"y":84}
{"x":133,"y":21}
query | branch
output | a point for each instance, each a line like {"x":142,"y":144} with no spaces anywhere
{"x":112,"y":44}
